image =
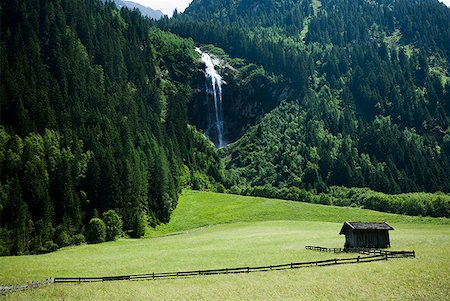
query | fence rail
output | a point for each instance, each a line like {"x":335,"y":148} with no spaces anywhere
{"x":237,"y":270}
{"x":366,"y":251}
{"x":30,"y":285}
{"x":322,"y":249}
{"x":369,"y":256}
{"x":399,"y":254}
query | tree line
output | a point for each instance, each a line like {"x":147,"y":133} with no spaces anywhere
{"x":415,"y":204}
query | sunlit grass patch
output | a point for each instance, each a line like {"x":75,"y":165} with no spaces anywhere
{"x":246,"y":231}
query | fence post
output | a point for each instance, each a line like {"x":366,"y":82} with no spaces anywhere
{"x":358,"y":259}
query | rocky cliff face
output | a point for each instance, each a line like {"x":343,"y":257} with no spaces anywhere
{"x":249,"y":92}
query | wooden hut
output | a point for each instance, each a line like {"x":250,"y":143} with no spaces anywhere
{"x":366,"y":234}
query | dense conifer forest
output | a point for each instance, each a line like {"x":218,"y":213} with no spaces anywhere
{"x":93,"y":117}
{"x":324,"y":101}
{"x":369,"y":104}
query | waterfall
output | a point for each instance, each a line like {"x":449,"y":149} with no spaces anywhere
{"x":213,"y":84}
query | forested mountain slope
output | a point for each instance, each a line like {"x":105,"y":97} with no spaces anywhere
{"x":370,"y":104}
{"x":93,"y":117}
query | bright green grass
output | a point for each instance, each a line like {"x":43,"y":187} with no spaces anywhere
{"x":259,"y":232}
{"x":198,"y":209}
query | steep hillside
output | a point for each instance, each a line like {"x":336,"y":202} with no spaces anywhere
{"x":93,"y":108}
{"x":370,"y":91}
{"x":248,"y":91}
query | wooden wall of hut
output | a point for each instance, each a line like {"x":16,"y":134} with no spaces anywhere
{"x":367,"y":238}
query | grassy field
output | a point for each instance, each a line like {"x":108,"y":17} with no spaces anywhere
{"x":199,"y":209}
{"x":218,"y":231}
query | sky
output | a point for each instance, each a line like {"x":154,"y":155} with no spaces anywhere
{"x":167,"y":6}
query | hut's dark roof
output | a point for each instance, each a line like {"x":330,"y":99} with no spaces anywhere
{"x":366,"y":226}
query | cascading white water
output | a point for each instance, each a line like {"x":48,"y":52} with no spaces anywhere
{"x":214,"y":88}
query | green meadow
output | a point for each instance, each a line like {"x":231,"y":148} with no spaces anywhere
{"x":210,"y":230}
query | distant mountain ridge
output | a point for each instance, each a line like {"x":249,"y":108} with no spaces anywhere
{"x":146,"y":11}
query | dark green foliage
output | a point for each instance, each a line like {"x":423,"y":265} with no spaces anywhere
{"x":49,"y":246}
{"x":423,"y":204}
{"x":292,"y":147}
{"x":138,"y":225}
{"x":96,"y":231}
{"x":6,"y":242}
{"x":208,"y":174}
{"x":282,"y":13}
{"x":63,"y":239}
{"x":93,"y":105}
{"x":113,"y":224}
{"x":78,"y":239}
{"x":251,"y":30}
{"x":367,"y":105}
{"x":31,"y":169}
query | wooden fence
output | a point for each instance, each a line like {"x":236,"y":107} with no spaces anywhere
{"x":30,"y":285}
{"x":293,"y":265}
{"x":375,"y":255}
{"x":366,"y":251}
{"x":399,"y":254}
{"x":322,"y":249}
